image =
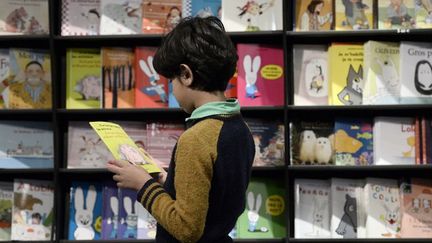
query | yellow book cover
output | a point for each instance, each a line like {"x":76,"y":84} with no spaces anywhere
{"x":123,"y":147}
{"x":354,"y":14}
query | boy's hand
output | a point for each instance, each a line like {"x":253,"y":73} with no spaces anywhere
{"x":163,"y":174}
{"x":128,"y":175}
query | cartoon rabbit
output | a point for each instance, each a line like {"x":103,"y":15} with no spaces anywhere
{"x":114,"y":219}
{"x":131,"y":218}
{"x":84,"y":216}
{"x":251,"y":71}
{"x":318,"y":217}
{"x":253,"y":212}
{"x":155,"y":88}
{"x":389,"y":79}
{"x":391,"y":221}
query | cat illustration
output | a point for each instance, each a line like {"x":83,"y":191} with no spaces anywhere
{"x":352,"y":93}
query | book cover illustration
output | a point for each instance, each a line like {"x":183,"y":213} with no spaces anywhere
{"x":423,"y":14}
{"x":311,"y":83}
{"x":6,"y":201}
{"x":146,"y":227}
{"x":260,"y":15}
{"x":80,"y":17}
{"x":312,"y":208}
{"x":24,"y":17}
{"x":26,"y":144}
{"x":120,"y":17}
{"x":396,"y":14}
{"x":130,"y":208}
{"x":260,"y":75}
{"x":110,"y":211}
{"x":85,"y":211}
{"x":202,"y":8}
{"x":4,"y":73}
{"x":313,"y":15}
{"x":160,"y":16}
{"x":83,"y":79}
{"x":354,"y":14}
{"x":32,"y":212}
{"x":353,"y":141}
{"x":137,"y":132}
{"x":231,"y":89}
{"x":172,"y":101}
{"x":151,"y":89}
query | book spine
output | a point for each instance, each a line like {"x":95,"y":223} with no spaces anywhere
{"x":423,"y":140}
{"x":418,"y":141}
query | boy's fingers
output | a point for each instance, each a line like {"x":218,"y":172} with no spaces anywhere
{"x":117,"y":163}
{"x":114,"y":169}
{"x":116,"y":177}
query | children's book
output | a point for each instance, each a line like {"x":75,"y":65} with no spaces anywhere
{"x":202,"y":8}
{"x":118,"y":77}
{"x":264,"y":216}
{"x":110,"y":211}
{"x":172,"y":101}
{"x":354,"y":15}
{"x":160,"y":16}
{"x":314,"y":15}
{"x":24,"y":17}
{"x":428,"y":140}
{"x":4,"y":73}
{"x":260,"y":75}
{"x":85,"y":211}
{"x":394,"y":140}
{"x":151,"y":89}
{"x":80,"y":17}
{"x":259,"y":15}
{"x":26,"y":144}
{"x":122,"y":146}
{"x":396,"y":14}
{"x":312,"y":208}
{"x":423,"y":14}
{"x":128,"y":214}
{"x":6,"y":201}
{"x":83,"y":79}
{"x":311,"y":83}
{"x":353,"y":141}
{"x":136,"y":130}
{"x":32,"y":212}
{"x":382,"y":208}
{"x":120,"y":17}
{"x":231,"y":89}
{"x":146,"y":226}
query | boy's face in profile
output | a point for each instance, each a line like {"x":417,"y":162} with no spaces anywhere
{"x":34,"y":74}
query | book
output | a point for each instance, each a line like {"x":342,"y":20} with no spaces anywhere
{"x":311,"y":83}
{"x":6,"y":201}
{"x":423,"y":14}
{"x":313,"y":15}
{"x":160,"y":16}
{"x":26,"y":144}
{"x":354,"y":15}
{"x":260,"y":75}
{"x":30,"y":80}
{"x":172,"y":101}
{"x":120,"y":17}
{"x":243,"y":15}
{"x":32,"y":212}
{"x":118,"y":77}
{"x":151,"y":89}
{"x":85,"y":211}
{"x":83,"y":79}
{"x":110,"y":211}
{"x":24,"y":17}
{"x":146,"y":226}
{"x":394,"y":140}
{"x":202,"y":8}
{"x":428,"y":137}
{"x":312,"y":208}
{"x":231,"y":89}
{"x":396,"y":14}
{"x":4,"y":73}
{"x":129,"y":211}
{"x":123,"y":147}
{"x":80,"y":17}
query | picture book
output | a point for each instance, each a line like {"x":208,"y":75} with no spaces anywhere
{"x":394,"y":140}
{"x":160,"y":16}
{"x":423,"y":14}
{"x":80,"y":17}
{"x":312,"y":208}
{"x":6,"y":201}
{"x":30,"y":80}
{"x":151,"y":89}
{"x":264,"y":216}
{"x":416,"y":76}
{"x":202,"y":8}
{"x":24,"y":17}
{"x":312,"y":142}
{"x":382,"y":80}
{"x":110,"y":211}
{"x":353,"y":141}
{"x":354,"y":15}
{"x":4,"y":73}
{"x":396,"y":14}
{"x":136,"y":130}
{"x":260,"y":76}
{"x":231,"y":89}
{"x":428,"y":140}
{"x":346,"y":74}
{"x":26,"y":144}
{"x":269,"y":138}
{"x":122,"y":146}
{"x":314,"y":15}
{"x":85,"y":211}
{"x":382,"y":208}
{"x":118,"y":77}
{"x":244,"y":15}
{"x":146,"y":227}
{"x":172,"y":101}
{"x":83,"y":79}
{"x":129,"y":210}
{"x":32,"y":212}
{"x":120,"y":17}
{"x":311,"y":83}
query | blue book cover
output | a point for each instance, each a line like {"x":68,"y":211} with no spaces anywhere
{"x":85,"y":211}
{"x":128,"y":214}
{"x":353,"y":141}
{"x":202,"y":8}
{"x":110,"y":211}
{"x":172,"y":101}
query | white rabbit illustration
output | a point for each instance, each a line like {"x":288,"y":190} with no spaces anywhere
{"x":89,"y":154}
{"x":391,"y":221}
{"x":388,"y":82}
{"x":253,"y":210}
{"x":131,"y":218}
{"x":84,"y":216}
{"x":114,"y":219}
{"x":155,"y":88}
{"x":307,"y":146}
{"x":146,"y":221}
{"x":323,"y":150}
{"x":251,"y":72}
{"x":318,"y":217}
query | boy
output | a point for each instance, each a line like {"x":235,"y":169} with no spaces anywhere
{"x":203,"y":193}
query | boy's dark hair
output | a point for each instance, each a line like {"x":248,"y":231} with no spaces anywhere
{"x":34,"y":62}
{"x":312,"y":5}
{"x":202,"y":44}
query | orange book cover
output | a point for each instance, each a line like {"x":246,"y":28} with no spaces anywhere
{"x":160,"y":16}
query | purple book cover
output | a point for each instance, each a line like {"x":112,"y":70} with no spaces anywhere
{"x":128,"y":214}
{"x":110,"y":211}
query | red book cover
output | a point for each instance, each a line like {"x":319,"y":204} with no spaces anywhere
{"x":418,"y":147}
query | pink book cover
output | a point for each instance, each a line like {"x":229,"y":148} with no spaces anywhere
{"x":151,"y":89}
{"x":260,"y":77}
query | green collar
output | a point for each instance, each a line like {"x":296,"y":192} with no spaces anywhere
{"x":230,"y":106}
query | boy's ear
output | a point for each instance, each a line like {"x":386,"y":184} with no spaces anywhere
{"x":186,"y":75}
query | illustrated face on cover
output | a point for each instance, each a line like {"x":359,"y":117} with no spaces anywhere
{"x":131,"y":154}
{"x":423,"y":77}
{"x":34,"y":73}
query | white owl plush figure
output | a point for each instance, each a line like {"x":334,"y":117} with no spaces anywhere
{"x":323,"y":150}
{"x":307,"y":146}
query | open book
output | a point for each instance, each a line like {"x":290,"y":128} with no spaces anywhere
{"x":123,"y":147}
